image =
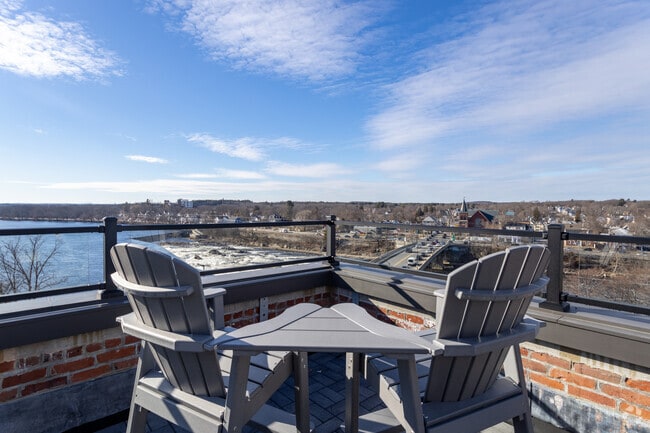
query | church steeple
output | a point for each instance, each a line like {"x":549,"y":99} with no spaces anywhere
{"x":463,"y":214}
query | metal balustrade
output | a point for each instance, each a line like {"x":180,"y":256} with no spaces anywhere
{"x":555,"y":237}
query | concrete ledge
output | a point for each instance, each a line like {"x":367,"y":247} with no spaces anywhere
{"x":612,"y":334}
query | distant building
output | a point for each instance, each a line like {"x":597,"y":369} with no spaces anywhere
{"x":477,"y":219}
{"x":480,"y":218}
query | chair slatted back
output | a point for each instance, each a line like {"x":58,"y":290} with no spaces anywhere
{"x":483,"y":300}
{"x":173,"y":308}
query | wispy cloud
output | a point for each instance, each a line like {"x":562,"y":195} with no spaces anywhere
{"x":244,"y":148}
{"x":35,"y":45}
{"x":248,"y":148}
{"x":225,"y":174}
{"x":522,"y":66}
{"x":148,"y":159}
{"x":320,"y":170}
{"x":316,"y":40}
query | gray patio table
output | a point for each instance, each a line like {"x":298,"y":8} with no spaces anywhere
{"x":345,"y":327}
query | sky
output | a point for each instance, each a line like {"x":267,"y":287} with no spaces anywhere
{"x":429,"y":101}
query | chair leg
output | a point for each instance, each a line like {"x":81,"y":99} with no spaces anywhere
{"x":137,"y":419}
{"x":513,"y":368}
{"x":138,"y":415}
{"x":523,"y":424}
{"x":235,"y":415}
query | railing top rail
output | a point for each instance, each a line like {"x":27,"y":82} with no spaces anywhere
{"x":566,"y":235}
{"x":226,"y":225}
{"x":52,"y":230}
{"x":640,"y":240}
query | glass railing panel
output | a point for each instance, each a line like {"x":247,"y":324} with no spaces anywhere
{"x":609,"y":271}
{"x":223,"y":248}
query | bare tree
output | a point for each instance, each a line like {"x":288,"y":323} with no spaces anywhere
{"x":24,"y":265}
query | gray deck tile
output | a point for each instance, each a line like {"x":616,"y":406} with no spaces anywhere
{"x":326,"y":378}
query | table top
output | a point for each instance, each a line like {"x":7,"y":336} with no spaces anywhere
{"x":311,"y":328}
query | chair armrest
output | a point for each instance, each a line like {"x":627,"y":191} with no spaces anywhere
{"x":213,"y":292}
{"x":501,"y":295}
{"x":474,"y":347}
{"x":534,"y":322}
{"x":170,"y":340}
{"x":150,"y":291}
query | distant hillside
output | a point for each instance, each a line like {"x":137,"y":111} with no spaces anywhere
{"x":587,"y":215}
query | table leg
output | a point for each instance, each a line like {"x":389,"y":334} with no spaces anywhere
{"x":352,"y":392}
{"x":301,"y":390}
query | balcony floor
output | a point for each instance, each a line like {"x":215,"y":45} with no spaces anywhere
{"x":327,"y":401}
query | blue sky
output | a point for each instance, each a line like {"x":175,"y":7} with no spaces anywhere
{"x":108,"y":101}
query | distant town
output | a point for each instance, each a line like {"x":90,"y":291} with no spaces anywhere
{"x":617,"y":216}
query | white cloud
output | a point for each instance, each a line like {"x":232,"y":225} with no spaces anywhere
{"x":317,"y":40}
{"x":239,"y":174}
{"x":149,"y":159}
{"x":248,"y":148}
{"x":225,"y":174}
{"x":522,"y":66}
{"x":33,"y":44}
{"x":320,"y":170}
{"x":244,"y":148}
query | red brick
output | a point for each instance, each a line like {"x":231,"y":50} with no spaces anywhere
{"x":595,"y":397}
{"x":8,"y":395}
{"x":552,"y":360}
{"x":125,"y":364}
{"x":75,"y":351}
{"x":79,"y":364}
{"x":28,"y":362}
{"x":530,"y":364}
{"x":418,"y":320}
{"x":29,"y":376}
{"x":129,"y":339}
{"x":635,"y":410}
{"x":90,"y":373}
{"x":578,"y":379}
{"x":40,"y":386}
{"x":55,"y":356}
{"x":93,"y":347}
{"x":113,"y":342}
{"x":597,"y":373}
{"x":546,"y":381}
{"x":6,"y":366}
{"x":524,"y":352}
{"x":626,"y":394}
{"x":641,"y":385}
{"x":122,"y":352}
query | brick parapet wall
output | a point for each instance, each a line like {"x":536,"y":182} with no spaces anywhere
{"x":603,"y":383}
{"x":41,"y":367}
{"x":606,"y":385}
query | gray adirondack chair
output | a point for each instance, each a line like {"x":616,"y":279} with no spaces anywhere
{"x":180,"y":375}
{"x":480,"y":323}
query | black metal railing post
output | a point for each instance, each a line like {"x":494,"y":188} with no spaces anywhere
{"x":331,"y":239}
{"x":554,"y":295}
{"x":110,"y":239}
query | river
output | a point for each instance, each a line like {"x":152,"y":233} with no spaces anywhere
{"x":79,"y":257}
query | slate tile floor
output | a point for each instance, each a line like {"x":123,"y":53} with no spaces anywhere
{"x":327,"y":401}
